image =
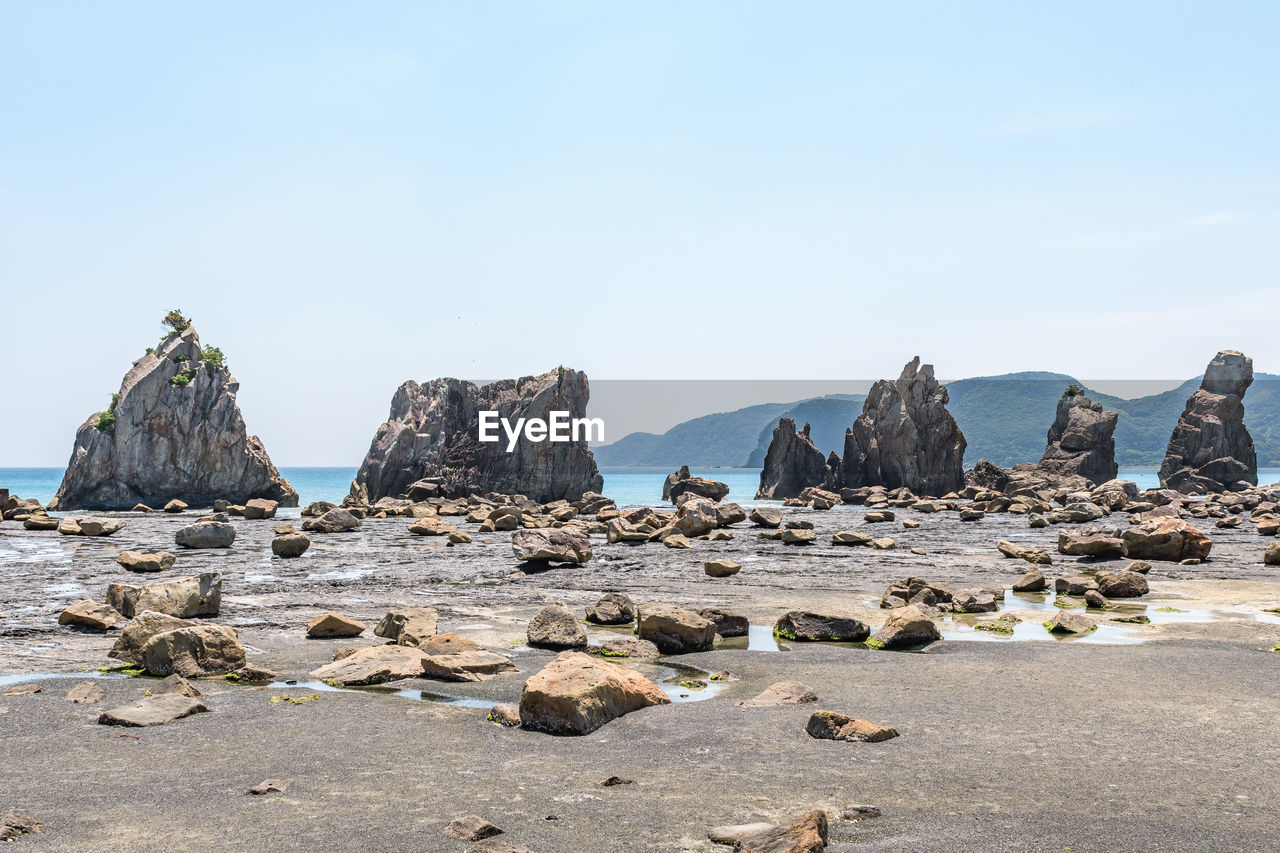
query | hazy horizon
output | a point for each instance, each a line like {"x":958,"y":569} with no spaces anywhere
{"x":343,"y":199}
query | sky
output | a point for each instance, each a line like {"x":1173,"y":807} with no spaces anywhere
{"x":345,"y":196}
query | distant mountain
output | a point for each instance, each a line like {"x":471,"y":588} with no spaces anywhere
{"x":828,"y":417}
{"x":1004,"y":418}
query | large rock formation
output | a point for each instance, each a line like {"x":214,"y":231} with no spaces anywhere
{"x":173,"y":431}
{"x":906,"y":437}
{"x":1210,"y":449}
{"x":1081,"y":440}
{"x":792,"y":464}
{"x":432,"y":435}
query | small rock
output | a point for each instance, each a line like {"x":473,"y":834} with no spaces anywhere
{"x":859,"y":811}
{"x":268,"y":786}
{"x":613,"y":608}
{"x":24,"y":690}
{"x":829,"y":725}
{"x":806,"y":835}
{"x":782,"y":693}
{"x":721,"y":568}
{"x":90,"y":614}
{"x":806,"y":626}
{"x":733,"y":833}
{"x":471,"y":828}
{"x":906,"y":626}
{"x":555,"y":627}
{"x":505,"y":714}
{"x":139,"y":561}
{"x":1095,"y":599}
{"x":175,"y":505}
{"x":288,"y":545}
{"x":85,"y":693}
{"x":1032,"y":581}
{"x":334,"y":625}
{"x":1070,"y":623}
{"x":614,"y":781}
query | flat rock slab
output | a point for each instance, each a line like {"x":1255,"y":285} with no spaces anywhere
{"x":85,"y":693}
{"x":782,"y":693}
{"x":471,"y":665}
{"x":732,"y":833}
{"x":153,"y":711}
{"x":374,"y":665}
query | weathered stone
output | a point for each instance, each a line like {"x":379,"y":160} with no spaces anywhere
{"x":1169,"y":539}
{"x":626,"y":647}
{"x":727,"y":624}
{"x":374,"y":665}
{"x":410,"y":626}
{"x":86,"y":693}
{"x":331,"y":624}
{"x":138,"y":561}
{"x":1095,"y":599}
{"x":1075,"y":584}
{"x":795,"y":536}
{"x":829,"y":725}
{"x":175,"y":506}
{"x":505,"y":714}
{"x":1211,"y":449}
{"x":145,"y":625}
{"x":90,"y":614}
{"x":1122,"y":584}
{"x":1070,"y":623}
{"x":170,"y":440}
{"x":906,"y":626}
{"x":554,"y":545}
{"x":906,"y":437}
{"x":1090,"y":544}
{"x":432,"y":433}
{"x":851,"y":537}
{"x":782,"y":693}
{"x":176,"y":684}
{"x":433,"y":526}
{"x":197,"y":595}
{"x":471,"y":828}
{"x":721,"y":568}
{"x":575,"y":694}
{"x":155,"y":710}
{"x":336,"y":520}
{"x":806,"y":626}
{"x":614,"y":608}
{"x":70,"y":526}
{"x":206,"y":534}
{"x":555,"y":627}
{"x":465,"y":665}
{"x":194,"y":651}
{"x":806,"y":835}
{"x":39,"y":522}
{"x":675,"y":630}
{"x":683,"y":483}
{"x":791,"y":464}
{"x":257,"y":508}
{"x":268,"y":786}
{"x":289,"y":545}
{"x":766,"y":516}
{"x":1271,"y":557}
{"x":1032,"y":581}
{"x":1081,"y":441}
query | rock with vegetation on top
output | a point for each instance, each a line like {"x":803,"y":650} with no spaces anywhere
{"x":1081,"y":440}
{"x":1211,"y":449}
{"x":173,"y":431}
{"x":576,"y":693}
{"x":806,"y":626}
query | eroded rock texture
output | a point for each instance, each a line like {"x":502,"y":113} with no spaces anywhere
{"x":906,"y":437}
{"x":792,"y":464}
{"x":174,"y":431}
{"x":1081,"y":440}
{"x":1211,"y":450}
{"x":432,"y":434}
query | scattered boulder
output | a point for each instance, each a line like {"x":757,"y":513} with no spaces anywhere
{"x":471,"y":828}
{"x":806,"y":626}
{"x":194,"y":651}
{"x":721,"y":568}
{"x":806,"y":835}
{"x":15,"y":825}
{"x":552,"y":545}
{"x":683,"y":483}
{"x":410,"y":626}
{"x":329,"y":625}
{"x":1169,"y":539}
{"x":851,"y":537}
{"x":374,"y":665}
{"x":138,"y":561}
{"x":1211,"y":449}
{"x":1032,"y":581}
{"x":197,"y":595}
{"x":1271,"y":557}
{"x":39,"y":522}
{"x":336,"y":520}
{"x":906,"y":627}
{"x":1070,"y":623}
{"x":627,"y":647}
{"x":91,"y":615}
{"x":145,"y":625}
{"x":828,"y":725}
{"x":86,"y":693}
{"x":614,"y":608}
{"x":555,"y":627}
{"x":575,"y":694}
{"x":206,"y":534}
{"x":69,"y":526}
{"x":289,"y":545}
{"x":267,"y":786}
{"x":1124,"y":584}
{"x":1090,"y":543}
{"x":465,"y":665}
{"x":782,"y":693}
{"x":175,"y":506}
{"x":505,"y":714}
{"x":766,"y":516}
{"x":675,"y":630}
{"x":154,"y":710}
{"x":727,"y":624}
{"x":256,"y":508}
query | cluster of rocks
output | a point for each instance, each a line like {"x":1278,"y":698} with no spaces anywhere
{"x":173,"y":431}
{"x":430,"y":446}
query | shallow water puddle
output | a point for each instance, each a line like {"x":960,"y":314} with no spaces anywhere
{"x":25,"y":677}
{"x":1028,"y":631}
{"x":392,"y":689}
{"x":759,"y":638}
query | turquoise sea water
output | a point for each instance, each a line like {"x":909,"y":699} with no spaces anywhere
{"x":627,"y":486}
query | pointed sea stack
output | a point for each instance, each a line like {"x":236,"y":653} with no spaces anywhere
{"x":906,"y":437}
{"x":1082,"y":439}
{"x":792,"y":464}
{"x":173,"y":431}
{"x":1210,"y":449}
{"x":432,"y":436}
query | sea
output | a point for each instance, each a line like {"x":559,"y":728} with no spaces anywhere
{"x":627,"y":486}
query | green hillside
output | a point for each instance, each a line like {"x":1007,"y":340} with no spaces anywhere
{"x":1005,"y":419}
{"x":828,"y":417}
{"x":721,"y":440}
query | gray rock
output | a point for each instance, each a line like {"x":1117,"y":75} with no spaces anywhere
{"x":197,"y":595}
{"x":792,"y":463}
{"x":551,"y":544}
{"x":289,"y":545}
{"x":194,"y":651}
{"x":91,"y":615}
{"x":906,"y":626}
{"x":555,"y":627}
{"x":613,"y":608}
{"x":727,"y":624}
{"x":154,"y":710}
{"x":206,"y":534}
{"x":675,"y":630}
{"x":806,"y":626}
{"x":1081,"y":441}
{"x":1211,"y":449}
{"x":336,"y":520}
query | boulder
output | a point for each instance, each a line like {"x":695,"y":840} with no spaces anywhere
{"x":145,"y":625}
{"x":851,"y":537}
{"x":433,"y":526}
{"x":791,"y":464}
{"x":1070,"y":623}
{"x":626,"y":647}
{"x":1081,"y":441}
{"x":289,"y":545}
{"x":138,"y":561}
{"x":374,"y":665}
{"x":256,"y":508}
{"x":795,"y":536}
{"x":721,"y":568}
{"x":552,"y":545}
{"x":155,"y":710}
{"x":316,"y":509}
{"x":1086,"y":543}
{"x":905,"y":437}
{"x":410,"y":626}
{"x":575,"y":694}
{"x":336,"y":520}
{"x":727,"y":624}
{"x":432,"y":434}
{"x":471,"y":828}
{"x":829,"y":725}
{"x":69,"y":526}
{"x":1032,"y":581}
{"x":39,"y":522}
{"x":1168,"y":539}
{"x":1211,"y":449}
{"x":91,"y":615}
{"x":675,"y":630}
{"x":1271,"y":557}
{"x":331,"y":624}
{"x":782,"y":693}
{"x":906,"y":626}
{"x":175,"y":506}
{"x":206,"y":534}
{"x":465,"y":665}
{"x":173,"y":432}
{"x":806,"y":626}
{"x":766,"y":516}
{"x":555,"y":627}
{"x":197,"y":595}
{"x":613,"y":608}
{"x":1122,"y":584}
{"x":806,"y":835}
{"x":684,"y":484}
{"x":194,"y":651}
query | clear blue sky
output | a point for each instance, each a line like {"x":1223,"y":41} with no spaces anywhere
{"x":345,"y":196}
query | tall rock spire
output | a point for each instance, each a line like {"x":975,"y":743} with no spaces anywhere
{"x":1210,"y":449}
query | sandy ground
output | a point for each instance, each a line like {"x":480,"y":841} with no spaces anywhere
{"x":1159,"y":737}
